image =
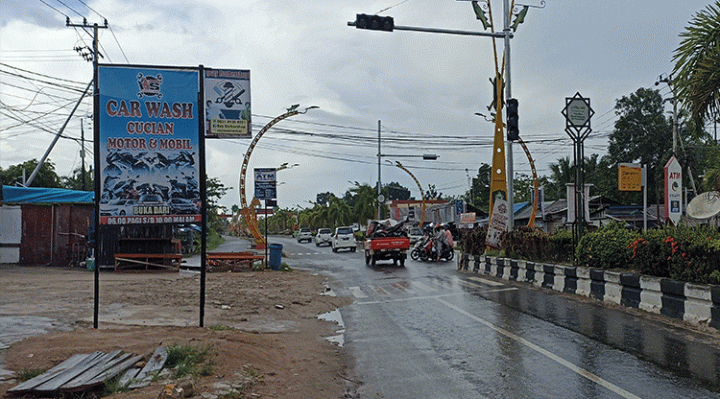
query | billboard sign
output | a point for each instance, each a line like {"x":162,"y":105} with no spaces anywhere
{"x":265,"y":184}
{"x":630,"y":177}
{"x":149,"y":145}
{"x":227,"y":103}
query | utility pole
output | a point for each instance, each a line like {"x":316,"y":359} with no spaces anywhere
{"x":96,"y":170}
{"x":82,"y":154}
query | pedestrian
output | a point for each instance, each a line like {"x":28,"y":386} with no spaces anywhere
{"x":439,"y":241}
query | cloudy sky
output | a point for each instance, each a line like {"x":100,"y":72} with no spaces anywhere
{"x":423,"y":88}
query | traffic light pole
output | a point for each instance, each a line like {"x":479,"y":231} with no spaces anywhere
{"x":508,"y":94}
{"x":447,"y":31}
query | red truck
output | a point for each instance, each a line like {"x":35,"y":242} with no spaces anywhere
{"x":383,"y":243}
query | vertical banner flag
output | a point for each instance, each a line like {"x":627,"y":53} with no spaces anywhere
{"x":227,"y":103}
{"x":148,"y":145}
{"x":673,"y":190}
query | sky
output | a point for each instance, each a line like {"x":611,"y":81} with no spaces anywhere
{"x":421,"y":91}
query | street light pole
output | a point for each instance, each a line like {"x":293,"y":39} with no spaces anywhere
{"x":379,"y":187}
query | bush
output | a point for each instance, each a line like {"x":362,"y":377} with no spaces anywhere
{"x":608,"y":248}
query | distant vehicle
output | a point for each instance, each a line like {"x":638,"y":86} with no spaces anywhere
{"x":344,"y":237}
{"x":183,"y":206}
{"x":119,"y":207}
{"x":415,"y":234}
{"x":323,"y":237}
{"x":304,"y":234}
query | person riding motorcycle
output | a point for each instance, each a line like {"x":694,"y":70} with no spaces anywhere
{"x":440,"y":241}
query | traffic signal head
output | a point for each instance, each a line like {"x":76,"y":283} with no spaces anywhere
{"x":513,"y":130}
{"x":374,"y":22}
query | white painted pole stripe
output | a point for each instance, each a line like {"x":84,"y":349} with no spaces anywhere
{"x":590,"y":376}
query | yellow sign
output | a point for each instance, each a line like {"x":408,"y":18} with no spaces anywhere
{"x":630,"y":177}
{"x":229,"y":127}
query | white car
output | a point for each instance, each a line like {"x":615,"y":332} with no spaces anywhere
{"x":304,"y":235}
{"x":323,"y":237}
{"x":415,"y":234}
{"x":344,"y":237}
{"x":119,"y":207}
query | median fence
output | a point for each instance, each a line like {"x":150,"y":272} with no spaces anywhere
{"x":694,"y":303}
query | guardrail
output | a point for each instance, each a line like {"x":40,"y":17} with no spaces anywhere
{"x":695,"y":303}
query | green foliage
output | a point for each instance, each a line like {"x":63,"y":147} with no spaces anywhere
{"x":46,"y":177}
{"x":28,"y":374}
{"x":526,"y":243}
{"x":562,"y":246}
{"x":607,"y":248}
{"x":187,"y":360}
{"x":473,"y":241}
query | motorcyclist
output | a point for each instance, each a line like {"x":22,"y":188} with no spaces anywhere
{"x":439,"y":241}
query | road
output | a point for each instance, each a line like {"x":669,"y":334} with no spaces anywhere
{"x":428,"y":331}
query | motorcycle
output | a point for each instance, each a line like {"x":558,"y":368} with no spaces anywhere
{"x":425,"y":251}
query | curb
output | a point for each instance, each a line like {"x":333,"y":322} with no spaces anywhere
{"x":694,"y":303}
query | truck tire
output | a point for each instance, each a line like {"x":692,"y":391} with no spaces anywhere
{"x":367,"y":259}
{"x":402,"y":261}
{"x":372,"y":260}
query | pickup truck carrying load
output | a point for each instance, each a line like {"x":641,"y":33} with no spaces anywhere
{"x":385,"y":241}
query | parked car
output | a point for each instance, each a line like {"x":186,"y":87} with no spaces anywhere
{"x":118,"y":207}
{"x":323,"y":236}
{"x":344,"y":237}
{"x":414,"y":234}
{"x":304,"y":234}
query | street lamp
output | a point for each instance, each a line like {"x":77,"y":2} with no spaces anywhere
{"x":252,"y":223}
{"x":381,"y":198}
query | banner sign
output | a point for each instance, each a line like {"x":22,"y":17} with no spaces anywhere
{"x":265,"y":184}
{"x":227,"y":103}
{"x":149,"y":145}
{"x":630,"y":177}
{"x":498,"y":222}
{"x":673,"y":190}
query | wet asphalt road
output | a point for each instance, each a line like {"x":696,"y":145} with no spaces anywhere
{"x":428,"y":331}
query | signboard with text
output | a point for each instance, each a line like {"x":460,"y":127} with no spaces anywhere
{"x":149,"y":145}
{"x":227,"y":103}
{"x":265,"y":184}
{"x":630,"y":177}
{"x":673,"y":190}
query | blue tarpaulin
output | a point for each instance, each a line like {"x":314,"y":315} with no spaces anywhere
{"x":40,"y":195}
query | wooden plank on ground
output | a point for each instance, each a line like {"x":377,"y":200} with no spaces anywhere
{"x":71,"y":373}
{"x":114,"y":370}
{"x":129,"y":376}
{"x":106,"y":362}
{"x":154,"y":365}
{"x":48,"y":375}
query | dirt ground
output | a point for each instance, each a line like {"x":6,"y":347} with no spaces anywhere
{"x":261,"y":327}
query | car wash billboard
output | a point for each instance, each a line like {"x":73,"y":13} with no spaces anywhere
{"x":149,"y":145}
{"x":227,"y":103}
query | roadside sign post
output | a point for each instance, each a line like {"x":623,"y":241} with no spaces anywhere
{"x":577,"y":114}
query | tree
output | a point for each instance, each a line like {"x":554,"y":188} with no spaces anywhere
{"x":46,"y":176}
{"x":323,"y":198}
{"x":432,"y":193}
{"x":362,"y":199}
{"x":479,"y":195}
{"x":697,"y":60}
{"x":642,"y":134}
{"x":75,"y":181}
{"x":214,"y":191}
{"x":395,"y":191}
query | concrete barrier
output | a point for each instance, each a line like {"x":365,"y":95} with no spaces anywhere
{"x":694,"y":303}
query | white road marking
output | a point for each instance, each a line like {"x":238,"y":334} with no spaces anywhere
{"x":423,"y":287}
{"x":485,"y":281}
{"x":357,"y":292}
{"x":579,"y":370}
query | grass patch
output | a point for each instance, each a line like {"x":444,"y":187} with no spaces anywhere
{"x":28,"y":374}
{"x":186,"y":360}
{"x":220,"y":327}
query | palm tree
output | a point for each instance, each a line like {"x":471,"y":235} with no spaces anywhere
{"x":697,"y":60}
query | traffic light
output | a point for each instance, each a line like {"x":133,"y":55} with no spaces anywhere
{"x":374,"y":22}
{"x":513,"y":131}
